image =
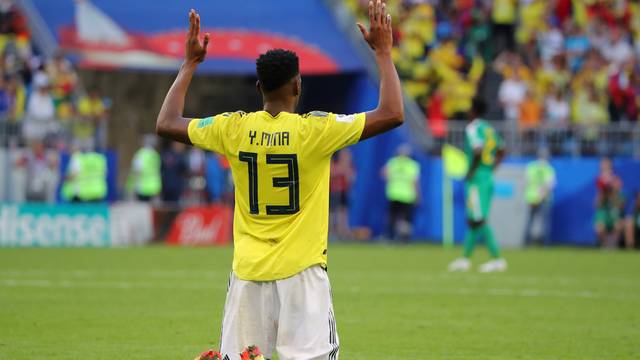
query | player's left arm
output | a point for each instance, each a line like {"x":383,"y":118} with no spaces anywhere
{"x":500,"y":152}
{"x":475,"y":162}
{"x":170,"y":123}
{"x":500,"y":155}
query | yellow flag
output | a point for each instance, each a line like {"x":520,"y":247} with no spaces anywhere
{"x":454,"y":161}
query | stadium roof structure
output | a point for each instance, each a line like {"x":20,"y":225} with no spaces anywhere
{"x":150,"y":34}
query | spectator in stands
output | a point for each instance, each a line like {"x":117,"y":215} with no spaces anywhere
{"x":477,"y":38}
{"x":558,"y":72}
{"x":557,"y":110}
{"x":551,"y":42}
{"x":557,"y":114}
{"x":342,"y":177}
{"x":634,"y":111}
{"x":63,"y":85}
{"x":504,"y":16}
{"x":608,"y":219}
{"x":40,"y":114}
{"x":436,"y":119}
{"x":532,"y":21}
{"x":632,"y":232}
{"x":591,"y":114}
{"x":510,"y":63}
{"x":90,"y":124}
{"x":42,"y":173}
{"x":511,"y":94}
{"x":530,"y":112}
{"x":16,"y":98}
{"x":145,"y":167}
{"x":174,"y":168}
{"x":576,"y":46}
{"x":622,"y":100}
{"x":530,"y":119}
{"x":402,"y":175}
{"x":617,"y":50}
{"x":217,"y":175}
{"x":196,"y":185}
{"x":541,"y":180}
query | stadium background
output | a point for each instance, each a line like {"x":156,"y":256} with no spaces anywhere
{"x":338,"y":77}
{"x":446,"y":53}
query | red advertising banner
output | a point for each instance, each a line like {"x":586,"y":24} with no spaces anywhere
{"x":202,"y":225}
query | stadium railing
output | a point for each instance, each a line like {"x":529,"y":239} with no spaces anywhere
{"x":614,"y":139}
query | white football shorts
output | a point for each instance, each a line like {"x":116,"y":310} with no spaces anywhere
{"x":292,"y":317}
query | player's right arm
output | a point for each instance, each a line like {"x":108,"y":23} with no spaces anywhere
{"x":170,"y":123}
{"x":390,"y":111}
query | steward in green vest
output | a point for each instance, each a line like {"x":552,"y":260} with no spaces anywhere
{"x":69,"y":190}
{"x":402,"y":174}
{"x":541,"y":180}
{"x":146,"y":167}
{"x":92,"y":177}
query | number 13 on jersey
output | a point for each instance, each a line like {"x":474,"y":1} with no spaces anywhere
{"x":291,"y":181}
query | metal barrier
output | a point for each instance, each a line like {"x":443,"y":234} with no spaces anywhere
{"x":53,"y":132}
{"x":615,"y":139}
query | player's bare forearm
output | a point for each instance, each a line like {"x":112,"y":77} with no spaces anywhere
{"x":475,"y":162}
{"x":500,"y":154}
{"x":390,"y":111}
{"x":170,"y":123}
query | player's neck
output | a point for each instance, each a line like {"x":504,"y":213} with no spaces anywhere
{"x":276,"y":106}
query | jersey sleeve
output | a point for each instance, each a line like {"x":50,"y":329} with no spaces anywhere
{"x":339,"y":131}
{"x":208,"y":133}
{"x":473,"y":136}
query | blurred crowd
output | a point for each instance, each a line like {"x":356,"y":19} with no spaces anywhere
{"x":44,"y":112}
{"x":41,"y":99}
{"x":562,"y":65}
{"x":189,"y":176}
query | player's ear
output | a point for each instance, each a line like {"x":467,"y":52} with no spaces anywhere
{"x":258,"y":86}
{"x":297,"y":85}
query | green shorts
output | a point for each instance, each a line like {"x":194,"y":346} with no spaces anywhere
{"x":478,"y":195}
{"x":607,"y":217}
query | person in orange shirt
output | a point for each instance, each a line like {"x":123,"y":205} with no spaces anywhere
{"x":530,"y":112}
{"x":530,"y":117}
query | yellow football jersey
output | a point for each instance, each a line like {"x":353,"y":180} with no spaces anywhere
{"x":280,"y":168}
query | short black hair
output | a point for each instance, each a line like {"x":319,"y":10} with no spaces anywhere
{"x":478,"y":107}
{"x":275,"y":68}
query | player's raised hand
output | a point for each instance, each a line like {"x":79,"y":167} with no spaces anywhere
{"x":196,"y":51}
{"x":379,"y":36}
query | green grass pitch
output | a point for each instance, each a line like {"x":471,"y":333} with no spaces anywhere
{"x":391,"y":303}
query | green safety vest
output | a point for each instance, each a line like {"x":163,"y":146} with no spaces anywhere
{"x":402,"y":174}
{"x":69,"y":186}
{"x":539,"y":175}
{"x":92,"y":177}
{"x":148,"y":181}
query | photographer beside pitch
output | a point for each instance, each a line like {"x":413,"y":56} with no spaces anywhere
{"x":279,"y":296}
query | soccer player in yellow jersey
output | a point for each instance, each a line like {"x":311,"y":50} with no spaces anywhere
{"x":279,"y":295}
